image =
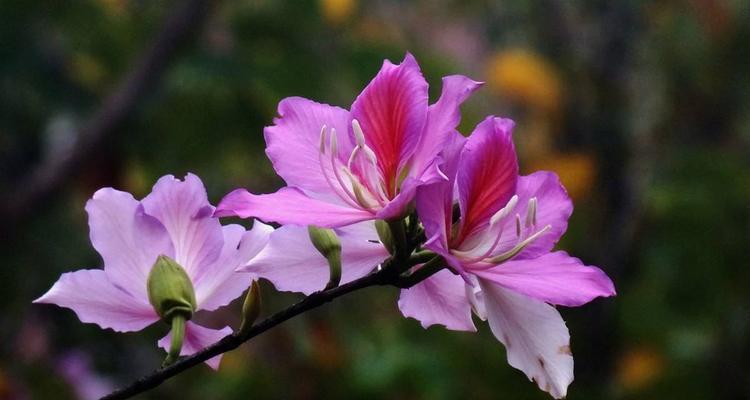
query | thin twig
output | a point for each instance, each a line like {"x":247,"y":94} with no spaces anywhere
{"x":385,"y":276}
{"x":51,"y":174}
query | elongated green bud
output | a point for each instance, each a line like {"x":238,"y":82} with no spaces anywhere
{"x":250,"y":308}
{"x":171,"y":293}
{"x":384,"y":234}
{"x":170,"y":290}
{"x":328,"y":244}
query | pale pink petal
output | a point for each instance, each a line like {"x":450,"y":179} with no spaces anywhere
{"x":292,"y":263}
{"x":289,"y":206}
{"x":438,"y":300}
{"x":219,"y":284}
{"x":556,"y":278}
{"x":392,"y":111}
{"x":128,"y":240}
{"x":183,"y":208}
{"x":487,"y":174}
{"x":293,"y":142}
{"x":535,"y":337}
{"x":196,"y":339}
{"x":554,"y":208}
{"x":95,"y":299}
{"x":442,"y":119}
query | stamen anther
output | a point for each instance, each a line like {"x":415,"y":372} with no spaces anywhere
{"x":518,"y":225}
{"x":323,"y":139}
{"x":359,"y":136}
{"x":334,"y":142}
{"x":531,"y":213}
{"x":503,"y":212}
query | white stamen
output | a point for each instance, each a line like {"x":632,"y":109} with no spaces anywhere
{"x":531,"y":213}
{"x":334,"y":142}
{"x":323,"y":139}
{"x":352,"y":156}
{"x":518,"y":225}
{"x":370,"y":155}
{"x":505,"y":211}
{"x":518,"y":248}
{"x":359,"y":136}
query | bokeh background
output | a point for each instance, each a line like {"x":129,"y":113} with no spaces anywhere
{"x":642,"y":107}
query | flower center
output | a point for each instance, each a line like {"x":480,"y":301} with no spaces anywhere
{"x":486,"y":244}
{"x":358,"y":182}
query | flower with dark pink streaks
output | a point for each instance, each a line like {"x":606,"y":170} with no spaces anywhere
{"x":343,"y":166}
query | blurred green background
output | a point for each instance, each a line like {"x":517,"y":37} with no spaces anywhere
{"x":642,"y":107}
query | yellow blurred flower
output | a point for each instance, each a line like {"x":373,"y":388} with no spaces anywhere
{"x":114,"y":7}
{"x":135,"y":179}
{"x":86,"y":71}
{"x":337,"y":11}
{"x":577,"y":171}
{"x":638,"y":368}
{"x":526,"y":77}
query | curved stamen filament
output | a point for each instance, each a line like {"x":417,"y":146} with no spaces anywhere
{"x":336,"y":169}
{"x":531,"y":213}
{"x":518,"y":248}
{"x":495,"y":224}
{"x":347,"y":198}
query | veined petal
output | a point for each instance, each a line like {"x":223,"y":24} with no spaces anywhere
{"x":438,"y":300}
{"x":392,"y":110}
{"x":183,"y":208}
{"x":219,"y":284}
{"x":487,"y":174}
{"x":196,"y":339}
{"x":289,"y":206}
{"x":292,"y":264}
{"x":535,"y":337}
{"x":293,"y":142}
{"x":554,"y":208}
{"x":556,"y":278}
{"x":95,"y":299}
{"x":442,"y":119}
{"x":128,"y":240}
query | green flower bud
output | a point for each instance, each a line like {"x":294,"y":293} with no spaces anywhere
{"x":170,"y":290}
{"x":328,"y":244}
{"x":384,"y":234}
{"x":250,"y":308}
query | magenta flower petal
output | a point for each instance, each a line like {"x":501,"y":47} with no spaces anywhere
{"x":442,"y":119}
{"x":292,"y":263}
{"x":556,"y":278}
{"x":392,"y":111}
{"x":536,"y":339}
{"x":289,"y":206}
{"x":293,"y":142}
{"x":95,"y":299}
{"x":219,"y":284}
{"x":183,"y":208}
{"x":128,"y":240}
{"x":487,"y":173}
{"x":435,"y":200}
{"x":438,"y":300}
{"x":197,"y":338}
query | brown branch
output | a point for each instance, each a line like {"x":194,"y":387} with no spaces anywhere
{"x":50,"y":175}
{"x":386,"y":276}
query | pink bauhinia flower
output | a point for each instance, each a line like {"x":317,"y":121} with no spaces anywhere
{"x":174,"y":220}
{"x":502,"y":247}
{"x":343,"y":167}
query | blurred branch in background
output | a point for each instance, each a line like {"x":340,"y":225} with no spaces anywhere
{"x":52,"y":173}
